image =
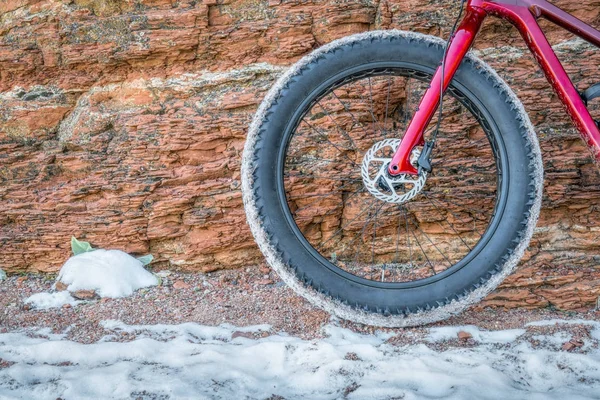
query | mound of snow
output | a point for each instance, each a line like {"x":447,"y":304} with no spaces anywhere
{"x":111,"y":273}
{"x":45,"y":301}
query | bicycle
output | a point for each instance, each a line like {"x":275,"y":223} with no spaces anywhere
{"x":374,"y":210}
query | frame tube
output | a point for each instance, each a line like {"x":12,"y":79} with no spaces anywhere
{"x":564,"y":20}
{"x":523,"y":16}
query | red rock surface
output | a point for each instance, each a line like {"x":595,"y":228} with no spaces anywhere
{"x":122,"y":123}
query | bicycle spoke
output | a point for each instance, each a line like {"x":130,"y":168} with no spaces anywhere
{"x":387,"y":103}
{"x":370,"y":109}
{"x":327,"y":194}
{"x":362,"y":232}
{"x":430,"y":241}
{"x":463,"y":168}
{"x":335,"y":178}
{"x":354,"y":219}
{"x":460,"y":219}
{"x":374,"y":238}
{"x":337,"y":125}
{"x":337,"y":148}
{"x":424,"y":253}
{"x":407,"y":105}
{"x":325,"y":160}
{"x":375,"y":123}
{"x":349,"y":112}
{"x":329,"y":178}
{"x":397,"y":258}
{"x":445,"y":200}
{"x":451,"y":226}
{"x":311,"y":205}
{"x":407,"y":236}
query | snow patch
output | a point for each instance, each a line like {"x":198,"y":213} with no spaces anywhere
{"x":111,"y":273}
{"x":190,"y":332}
{"x":341,"y":336}
{"x":451,"y":332}
{"x":595,"y":334}
{"x":2,"y":275}
{"x":557,"y":339}
{"x":44,"y":301}
{"x":193,"y":361}
{"x":552,"y":322}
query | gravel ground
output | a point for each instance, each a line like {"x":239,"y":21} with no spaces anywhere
{"x":240,"y":297}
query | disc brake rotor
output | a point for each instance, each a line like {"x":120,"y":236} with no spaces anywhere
{"x":392,"y":189}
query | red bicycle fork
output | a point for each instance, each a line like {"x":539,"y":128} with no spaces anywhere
{"x":523,"y":15}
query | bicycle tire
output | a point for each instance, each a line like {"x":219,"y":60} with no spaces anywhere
{"x":393,"y":305}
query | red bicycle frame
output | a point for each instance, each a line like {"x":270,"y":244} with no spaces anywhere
{"x":523,"y":14}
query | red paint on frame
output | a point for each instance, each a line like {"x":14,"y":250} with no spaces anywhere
{"x":523,"y":14}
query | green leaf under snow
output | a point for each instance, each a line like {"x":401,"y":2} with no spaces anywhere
{"x":147,"y":259}
{"x":80,"y":247}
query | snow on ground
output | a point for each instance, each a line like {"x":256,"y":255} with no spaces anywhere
{"x":191,"y":361}
{"x":111,"y":273}
{"x":450,"y":332}
{"x":44,"y":301}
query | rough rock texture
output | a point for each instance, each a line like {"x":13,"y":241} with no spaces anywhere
{"x":122,"y":123}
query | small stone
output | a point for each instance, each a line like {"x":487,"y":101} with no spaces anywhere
{"x":462,"y":335}
{"x":572,"y":344}
{"x":164,"y":273}
{"x":181,"y":285}
{"x":576,"y":342}
{"x":85,"y":295}
{"x":66,"y":305}
{"x":265,"y":282}
{"x":59,"y":286}
{"x":237,"y":334}
{"x":264,"y":270}
{"x":568,"y":346}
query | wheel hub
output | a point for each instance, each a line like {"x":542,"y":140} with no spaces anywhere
{"x":392,"y":189}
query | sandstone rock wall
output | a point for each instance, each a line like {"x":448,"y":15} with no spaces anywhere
{"x":122,"y":123}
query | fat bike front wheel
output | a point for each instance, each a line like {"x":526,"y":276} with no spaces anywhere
{"x":376,"y":249}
